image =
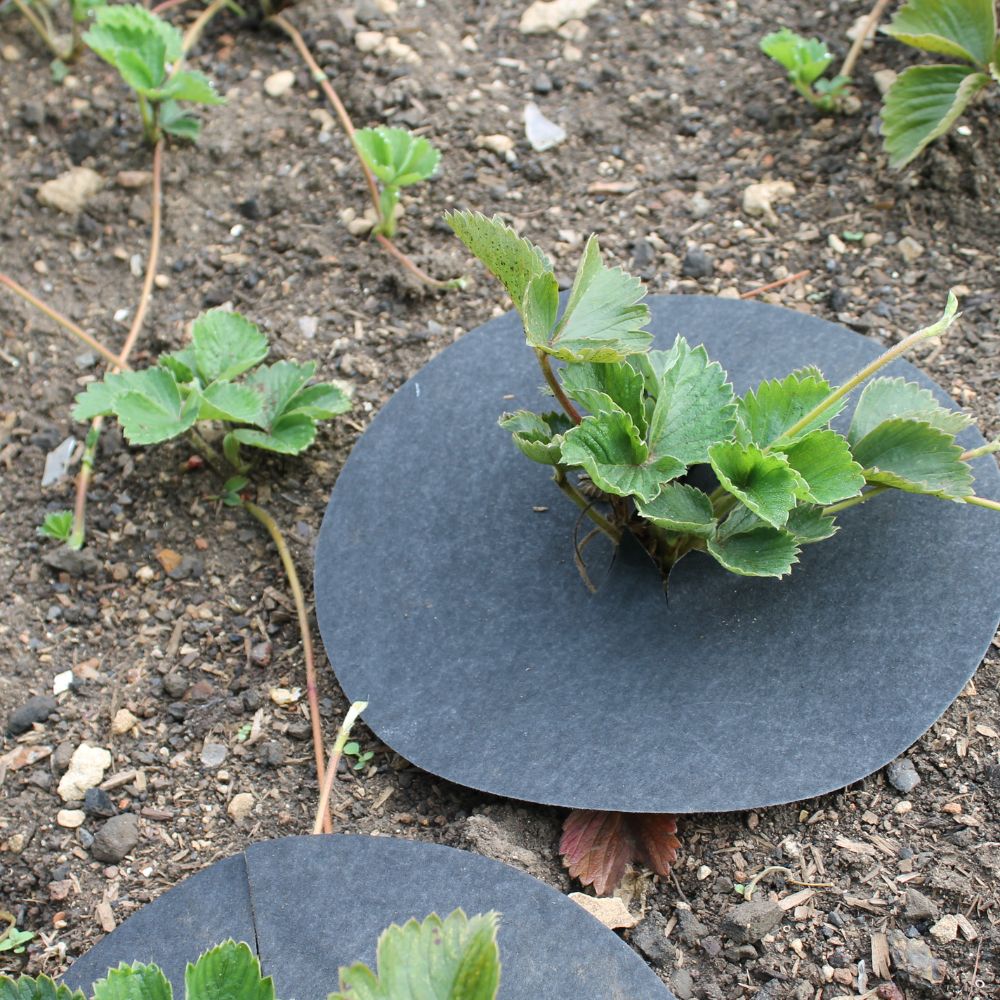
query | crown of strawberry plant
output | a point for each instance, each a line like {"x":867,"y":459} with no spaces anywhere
{"x":635,"y":421}
{"x":451,"y":959}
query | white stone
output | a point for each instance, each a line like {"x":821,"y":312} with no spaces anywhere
{"x":278,"y":84}
{"x":884,"y":79}
{"x":368,"y":41}
{"x":549,"y":15}
{"x":70,"y":818}
{"x":499,"y":144}
{"x":86,"y":770}
{"x":70,"y":192}
{"x":945,"y":930}
{"x":542,"y":134}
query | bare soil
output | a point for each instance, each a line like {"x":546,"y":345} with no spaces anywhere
{"x":671,"y":112}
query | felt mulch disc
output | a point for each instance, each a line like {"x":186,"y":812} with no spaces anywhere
{"x":448,"y":599}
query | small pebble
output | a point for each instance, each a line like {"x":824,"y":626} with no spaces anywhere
{"x":70,"y":818}
{"x":278,"y":84}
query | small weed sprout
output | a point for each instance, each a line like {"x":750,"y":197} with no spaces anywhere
{"x":57,"y":525}
{"x":15,"y":941}
{"x":806,"y":60}
{"x":147,"y":51}
{"x":361,"y":759}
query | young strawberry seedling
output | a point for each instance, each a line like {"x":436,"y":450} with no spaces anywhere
{"x":635,"y":423}
{"x":147,"y":52}
{"x":925,"y":101}
{"x":38,"y":13}
{"x":456,"y":958}
{"x":806,"y":60}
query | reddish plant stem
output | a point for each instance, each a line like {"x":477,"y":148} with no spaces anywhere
{"x":326,"y":790}
{"x":57,"y":317}
{"x":312,"y":692}
{"x":162,"y":8}
{"x":320,"y":77}
{"x":774,"y":284}
{"x":557,"y":389}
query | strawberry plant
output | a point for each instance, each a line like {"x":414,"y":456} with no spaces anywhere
{"x":806,"y":60}
{"x":451,"y":959}
{"x":925,"y":101}
{"x":147,"y":52}
{"x":38,"y":13}
{"x":398,"y":159}
{"x":634,"y":423}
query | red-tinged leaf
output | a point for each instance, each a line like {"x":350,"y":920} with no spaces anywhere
{"x":597,"y":846}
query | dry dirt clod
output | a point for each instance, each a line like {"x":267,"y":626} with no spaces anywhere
{"x":240,"y":806}
{"x":86,"y":770}
{"x":70,"y":192}
{"x":545,"y":16}
{"x":749,"y":922}
{"x":610,"y":910}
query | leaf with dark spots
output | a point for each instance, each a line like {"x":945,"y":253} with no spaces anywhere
{"x":597,"y":846}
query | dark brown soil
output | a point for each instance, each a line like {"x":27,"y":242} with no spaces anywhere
{"x":671,"y":114}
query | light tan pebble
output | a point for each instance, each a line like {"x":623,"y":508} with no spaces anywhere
{"x":70,"y":818}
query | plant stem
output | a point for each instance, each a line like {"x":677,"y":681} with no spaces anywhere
{"x":67,"y":324}
{"x":320,"y":77}
{"x":984,"y":449}
{"x":847,"y":69}
{"x":35,"y":21}
{"x":949,"y":317}
{"x":854,"y":501}
{"x":611,"y":530}
{"x":193,"y":34}
{"x":322,"y":808}
{"x":788,"y":279}
{"x":93,"y":437}
{"x":982,"y":502}
{"x":557,"y":389}
{"x":312,"y":691}
{"x":162,"y":8}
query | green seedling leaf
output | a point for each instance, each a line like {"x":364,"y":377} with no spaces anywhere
{"x":154,"y":409}
{"x":178,"y":122}
{"x":235,"y":403}
{"x":188,"y":85}
{"x":923,"y":103}
{"x":321,"y":401}
{"x":225,"y":345}
{"x":452,"y":959}
{"x":288,"y":435}
{"x":885,"y":398}
{"x":397,"y":157}
{"x":960,"y":29}
{"x":806,"y":59}
{"x":611,"y":450}
{"x":509,"y":258}
{"x":36,"y":988}
{"x":915,"y":457}
{"x":58,"y":526}
{"x":776,"y":406}
{"x":228,"y":972}
{"x":681,"y":508}
{"x":182,"y":363}
{"x":235,"y":484}
{"x":604,"y":316}
{"x":695,"y":406}
{"x":133,"y":982}
{"x":764,"y":551}
{"x":540,"y":307}
{"x":809,"y":524}
{"x":823,"y":460}
{"x":765,"y":483}
{"x":603,"y":387}
{"x":98,"y":399}
{"x":278,"y":385}
{"x":538,"y":436}
{"x":143,"y":68}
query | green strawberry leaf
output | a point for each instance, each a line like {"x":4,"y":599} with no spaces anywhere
{"x":508,"y":257}
{"x":806,"y":59}
{"x":602,"y":387}
{"x":767,"y":413}
{"x":823,"y":460}
{"x":320,"y":401}
{"x":189,"y":85}
{"x":278,"y":385}
{"x":229,"y":971}
{"x":763,"y":551}
{"x":885,"y":398}
{"x":288,"y":435}
{"x":182,"y":363}
{"x":765,"y":483}
{"x":57,"y":525}
{"x":604,"y":316}
{"x":915,"y":457}
{"x":960,"y":29}
{"x":540,"y":307}
{"x":395,"y":156}
{"x":131,"y":29}
{"x":226,"y":344}
{"x":98,"y":399}
{"x":142,"y":68}
{"x":924,"y":103}
{"x":610,"y":449}
{"x":695,"y":406}
{"x":133,"y":982}
{"x":452,"y":959}
{"x":178,"y":122}
{"x":225,"y":401}
{"x":538,"y":436}
{"x":154,"y":410}
{"x":682,"y":508}
{"x":36,"y":988}
{"x":809,"y":524}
